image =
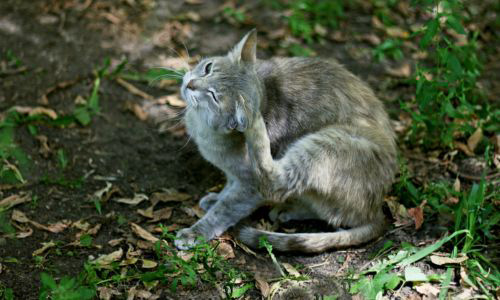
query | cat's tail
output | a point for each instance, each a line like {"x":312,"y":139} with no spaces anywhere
{"x":312,"y":242}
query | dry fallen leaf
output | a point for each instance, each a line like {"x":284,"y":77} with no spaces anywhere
{"x":456,"y":185}
{"x":185,"y":255}
{"x":94,"y":230}
{"x":106,"y":293}
{"x":24,"y":234}
{"x":404,"y":70}
{"x":147,"y":213}
{"x":142,"y":233}
{"x":82,"y":225}
{"x":44,"y":150}
{"x":107,"y":259}
{"x":148,"y":264}
{"x":138,"y":198}
{"x":115,"y":242}
{"x":397,"y":32}
{"x":417,"y":213}
{"x":441,"y":260}
{"x":263,"y":286}
{"x":161,"y":214}
{"x":290,"y":269}
{"x":464,"y":148}
{"x":427,"y":289}
{"x":474,"y":139}
{"x":14,"y":200}
{"x":45,"y":246}
{"x":169,"y":197}
{"x":225,"y":250}
{"x":59,"y":226}
{"x":19,"y":216}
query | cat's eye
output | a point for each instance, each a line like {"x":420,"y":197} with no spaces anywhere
{"x":212,"y":95}
{"x":208,"y":68}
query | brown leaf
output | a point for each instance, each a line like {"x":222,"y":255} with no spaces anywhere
{"x":19,"y":216}
{"x":185,"y":255}
{"x":290,"y":269}
{"x":161,"y":214}
{"x":225,"y":250}
{"x":59,"y":226}
{"x":442,"y":260}
{"x":456,"y":185}
{"x":115,"y":242}
{"x":107,"y":259}
{"x":139,"y":112}
{"x":147,"y":213}
{"x":14,"y":200}
{"x":106,"y":293}
{"x":138,"y":198}
{"x":464,"y":148}
{"x":45,"y":246}
{"x":397,"y":32}
{"x":24,"y":234}
{"x":82,"y":225}
{"x":474,"y":139}
{"x":142,"y":233}
{"x":371,"y":38}
{"x":427,"y":289}
{"x":94,"y":230}
{"x":169,"y":197}
{"x":262,"y":285}
{"x":417,"y":213}
{"x":404,"y":70}
{"x":44,"y":149}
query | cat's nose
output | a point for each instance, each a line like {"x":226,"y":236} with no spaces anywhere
{"x":191,"y":85}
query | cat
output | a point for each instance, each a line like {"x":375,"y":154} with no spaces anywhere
{"x":303,"y":134}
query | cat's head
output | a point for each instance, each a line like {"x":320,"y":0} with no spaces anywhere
{"x":224,"y":90}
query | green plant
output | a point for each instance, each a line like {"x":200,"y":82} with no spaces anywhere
{"x":234,"y":15}
{"x":448,"y":103}
{"x":67,"y":289}
{"x":389,"y":48}
{"x":310,"y":18}
{"x":6,"y":293}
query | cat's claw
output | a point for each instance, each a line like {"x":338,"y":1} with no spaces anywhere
{"x":186,"y":239}
{"x":208,"y":201}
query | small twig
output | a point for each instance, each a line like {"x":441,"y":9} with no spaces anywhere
{"x":13,"y":71}
{"x":133,"y":90}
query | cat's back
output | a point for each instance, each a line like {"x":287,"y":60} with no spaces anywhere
{"x":303,"y":95}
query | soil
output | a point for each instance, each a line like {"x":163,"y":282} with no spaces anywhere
{"x":61,"y":41}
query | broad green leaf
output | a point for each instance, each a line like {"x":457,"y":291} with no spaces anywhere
{"x":237,"y":293}
{"x":48,"y":281}
{"x":430,"y":31}
{"x":82,"y":115}
{"x":455,"y":24}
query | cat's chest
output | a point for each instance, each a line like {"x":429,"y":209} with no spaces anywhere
{"x":227,"y":151}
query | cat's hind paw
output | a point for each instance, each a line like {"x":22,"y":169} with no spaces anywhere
{"x":208,"y":201}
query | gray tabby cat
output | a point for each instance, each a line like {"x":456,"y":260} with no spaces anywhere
{"x":301,"y":133}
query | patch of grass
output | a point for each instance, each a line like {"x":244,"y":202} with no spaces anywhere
{"x":234,"y":15}
{"x":6,"y":293}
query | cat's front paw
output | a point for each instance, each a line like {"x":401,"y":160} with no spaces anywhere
{"x":208,"y":201}
{"x":187,"y":238}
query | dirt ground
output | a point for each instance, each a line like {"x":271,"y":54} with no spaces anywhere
{"x":65,"y":42}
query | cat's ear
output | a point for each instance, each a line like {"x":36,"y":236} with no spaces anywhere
{"x":246,"y":49}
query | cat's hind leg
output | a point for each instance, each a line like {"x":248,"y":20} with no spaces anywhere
{"x":293,"y":209}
